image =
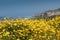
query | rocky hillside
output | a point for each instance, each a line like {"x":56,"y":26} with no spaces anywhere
{"x":48,"y":14}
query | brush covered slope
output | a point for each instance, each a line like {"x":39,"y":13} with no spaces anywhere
{"x":29,"y":29}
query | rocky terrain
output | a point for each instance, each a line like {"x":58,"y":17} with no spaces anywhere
{"x":48,"y":14}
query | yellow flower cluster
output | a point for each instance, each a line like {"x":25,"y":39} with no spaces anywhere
{"x":30,"y":29}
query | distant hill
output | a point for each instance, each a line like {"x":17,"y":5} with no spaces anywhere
{"x":48,"y":14}
{"x":1,"y":17}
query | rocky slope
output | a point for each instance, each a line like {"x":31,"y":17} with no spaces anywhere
{"x":48,"y":14}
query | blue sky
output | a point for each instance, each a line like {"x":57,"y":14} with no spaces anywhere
{"x":25,"y":8}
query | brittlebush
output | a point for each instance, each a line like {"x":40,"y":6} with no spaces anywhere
{"x":29,"y":29}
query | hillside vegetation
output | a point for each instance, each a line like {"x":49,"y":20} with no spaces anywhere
{"x":29,"y":29}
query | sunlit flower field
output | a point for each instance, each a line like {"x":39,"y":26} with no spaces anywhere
{"x":30,"y":29}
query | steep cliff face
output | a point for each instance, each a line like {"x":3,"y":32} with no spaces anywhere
{"x":49,"y":13}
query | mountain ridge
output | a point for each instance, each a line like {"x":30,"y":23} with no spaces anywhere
{"x":48,"y":14}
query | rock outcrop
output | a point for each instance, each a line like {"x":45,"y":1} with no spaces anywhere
{"x":48,"y":14}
